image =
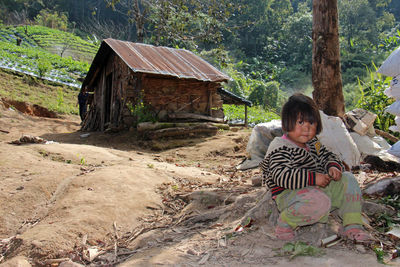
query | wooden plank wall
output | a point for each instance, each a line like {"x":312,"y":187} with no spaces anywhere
{"x":171,"y":95}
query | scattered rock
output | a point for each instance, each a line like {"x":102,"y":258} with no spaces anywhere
{"x":70,"y":264}
{"x":371,"y":208}
{"x":18,"y":261}
{"x":28,"y":139}
{"x":36,"y":243}
{"x":256,"y":181}
{"x":386,"y":186}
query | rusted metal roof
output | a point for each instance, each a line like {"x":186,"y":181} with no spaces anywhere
{"x":231,"y":98}
{"x":158,"y":60}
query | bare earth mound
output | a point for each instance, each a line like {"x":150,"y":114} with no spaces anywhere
{"x":111,"y":199}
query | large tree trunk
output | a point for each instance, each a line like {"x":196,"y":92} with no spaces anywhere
{"x":326,"y":75}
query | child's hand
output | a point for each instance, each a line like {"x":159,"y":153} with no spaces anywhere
{"x":322,"y":180}
{"x":335,"y":173}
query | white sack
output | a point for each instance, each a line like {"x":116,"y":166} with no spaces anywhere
{"x":394,"y":128}
{"x":397,"y":120}
{"x":395,"y":149}
{"x":376,"y":146}
{"x":395,"y":83}
{"x":394,"y":89}
{"x":381,"y":142}
{"x":365,"y":144}
{"x":394,"y":108}
{"x":338,"y":140}
{"x":260,"y":138}
{"x":391,"y":66}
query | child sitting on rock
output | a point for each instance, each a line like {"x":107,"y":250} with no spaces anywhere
{"x":306,"y":179}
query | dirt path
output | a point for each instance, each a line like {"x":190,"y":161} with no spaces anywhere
{"x":132,"y":202}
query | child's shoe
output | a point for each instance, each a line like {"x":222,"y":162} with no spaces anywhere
{"x":356,"y":233}
{"x":283,"y":231}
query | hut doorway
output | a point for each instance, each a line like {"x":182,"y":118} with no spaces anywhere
{"x":107,"y":99}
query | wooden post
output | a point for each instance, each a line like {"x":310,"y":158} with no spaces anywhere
{"x":209,"y":101}
{"x":326,"y":75}
{"x":245,"y":115}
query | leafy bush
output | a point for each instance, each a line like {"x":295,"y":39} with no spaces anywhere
{"x":141,"y":113}
{"x":52,"y":20}
{"x":351,"y":93}
{"x":43,"y":66}
{"x":374,"y":100}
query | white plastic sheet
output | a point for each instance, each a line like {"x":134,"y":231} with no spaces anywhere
{"x":395,"y":149}
{"x":394,"y":108}
{"x":260,"y":138}
{"x":391,"y":66}
{"x":338,"y":140}
{"x":394,"y":89}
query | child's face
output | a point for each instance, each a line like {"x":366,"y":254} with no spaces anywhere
{"x":303,"y":132}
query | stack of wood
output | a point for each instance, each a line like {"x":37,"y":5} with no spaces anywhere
{"x":157,"y":130}
{"x":92,"y":120}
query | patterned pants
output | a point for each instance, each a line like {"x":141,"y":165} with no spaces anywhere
{"x":313,"y":204}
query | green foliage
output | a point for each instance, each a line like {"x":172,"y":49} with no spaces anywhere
{"x":351,"y":93}
{"x":393,"y":201}
{"x":271,"y":39}
{"x":52,"y":20}
{"x":142,"y":113}
{"x":256,"y":114}
{"x":53,"y":40}
{"x":373,"y":99}
{"x":266,"y":94}
{"x":390,"y":42}
{"x":60,"y":98}
{"x":30,"y":58}
{"x":82,"y":160}
{"x":380,"y":254}
{"x":297,"y":40}
{"x":257,"y":89}
{"x":239,"y":85}
{"x":299,"y":248}
{"x":385,"y":222}
{"x":43,"y":66}
{"x":359,"y":20}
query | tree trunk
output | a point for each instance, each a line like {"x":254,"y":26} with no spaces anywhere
{"x":326,"y":75}
{"x":139,"y":18}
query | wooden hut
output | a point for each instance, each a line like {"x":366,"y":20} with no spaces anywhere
{"x":128,"y":81}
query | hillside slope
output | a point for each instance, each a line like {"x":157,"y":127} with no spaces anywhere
{"x":51,"y":54}
{"x":56,"y":97}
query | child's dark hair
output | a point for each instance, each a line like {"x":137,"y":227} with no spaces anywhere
{"x":303,"y":106}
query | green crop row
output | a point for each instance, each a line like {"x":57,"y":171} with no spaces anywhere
{"x":255,"y":114}
{"x":54,"y":36}
{"x":42,"y":63}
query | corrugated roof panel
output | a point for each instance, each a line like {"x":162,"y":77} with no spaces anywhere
{"x":179,"y":66}
{"x":165,"y":61}
{"x":131,"y":57}
{"x":161,"y":59}
{"x":207,"y":69}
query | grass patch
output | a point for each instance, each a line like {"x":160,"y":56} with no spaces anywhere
{"x":61,"y":99}
{"x":255,"y":114}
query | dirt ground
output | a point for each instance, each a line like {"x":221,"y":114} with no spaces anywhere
{"x":115,"y":200}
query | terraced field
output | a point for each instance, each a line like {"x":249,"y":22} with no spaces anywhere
{"x":48,"y":53}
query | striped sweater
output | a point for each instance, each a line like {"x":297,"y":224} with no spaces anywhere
{"x":288,"y":166}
